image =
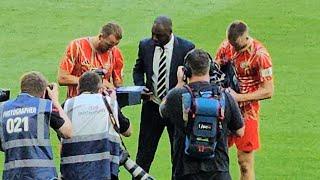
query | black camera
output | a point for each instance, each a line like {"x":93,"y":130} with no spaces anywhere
{"x":100,"y":71}
{"x":133,"y":168}
{"x":230,"y":79}
{"x":47,"y":95}
{"x":4,"y":95}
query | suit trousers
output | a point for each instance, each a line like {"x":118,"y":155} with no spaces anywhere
{"x":206,"y":176}
{"x":151,"y":128}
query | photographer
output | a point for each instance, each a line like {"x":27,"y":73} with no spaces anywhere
{"x":24,"y":128}
{"x":209,"y":159}
{"x":94,"y":151}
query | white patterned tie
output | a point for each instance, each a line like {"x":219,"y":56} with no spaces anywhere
{"x":162,"y":73}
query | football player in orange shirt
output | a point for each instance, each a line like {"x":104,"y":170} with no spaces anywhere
{"x":89,"y":53}
{"x":253,"y":68}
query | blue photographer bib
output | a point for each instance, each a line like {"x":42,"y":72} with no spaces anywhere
{"x":203,"y":112}
{"x":25,"y":138}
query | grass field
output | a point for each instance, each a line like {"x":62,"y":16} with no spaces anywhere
{"x":34,"y":34}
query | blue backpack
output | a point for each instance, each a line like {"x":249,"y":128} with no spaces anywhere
{"x":203,"y":115}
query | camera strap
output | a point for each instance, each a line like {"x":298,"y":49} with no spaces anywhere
{"x":113,"y":120}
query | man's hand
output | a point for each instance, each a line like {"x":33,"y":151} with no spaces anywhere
{"x":146,"y":94}
{"x":111,"y":93}
{"x":53,"y":93}
{"x":180,"y":76}
{"x":235,"y":95}
{"x":108,"y":85}
{"x":180,"y":73}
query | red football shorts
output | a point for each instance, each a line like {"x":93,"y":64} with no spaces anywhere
{"x":250,"y":140}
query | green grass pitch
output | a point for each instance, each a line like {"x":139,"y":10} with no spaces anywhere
{"x":34,"y":34}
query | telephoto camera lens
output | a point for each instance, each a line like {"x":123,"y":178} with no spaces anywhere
{"x":133,"y":168}
{"x":136,"y":171}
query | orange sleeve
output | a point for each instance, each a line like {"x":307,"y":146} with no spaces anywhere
{"x":118,"y":67}
{"x":221,"y":53}
{"x":265,"y":64}
{"x":69,"y":58}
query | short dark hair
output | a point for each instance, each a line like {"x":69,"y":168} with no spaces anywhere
{"x":90,"y":82}
{"x":164,"y":21}
{"x":236,"y":29}
{"x":33,"y":83}
{"x":198,"y":60}
{"x":112,"y":28}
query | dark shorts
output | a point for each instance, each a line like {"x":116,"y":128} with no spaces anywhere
{"x":206,"y":175}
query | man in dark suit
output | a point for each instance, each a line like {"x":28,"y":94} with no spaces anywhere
{"x":158,"y":61}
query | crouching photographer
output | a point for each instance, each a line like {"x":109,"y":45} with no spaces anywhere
{"x":96,"y":148}
{"x":25,"y":129}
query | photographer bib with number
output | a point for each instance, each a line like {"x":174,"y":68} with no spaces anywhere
{"x":25,"y":128}
{"x":203,"y":112}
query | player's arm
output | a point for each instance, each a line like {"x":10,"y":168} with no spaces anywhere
{"x":118,"y":68}
{"x":265,"y":91}
{"x":61,"y":122}
{"x":65,"y":78}
{"x":220,"y":54}
{"x":266,"y":88}
{"x":66,"y":66}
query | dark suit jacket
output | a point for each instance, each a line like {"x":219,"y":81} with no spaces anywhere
{"x":144,"y":63}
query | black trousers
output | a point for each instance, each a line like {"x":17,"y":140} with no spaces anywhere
{"x":151,"y":128}
{"x":206,"y":176}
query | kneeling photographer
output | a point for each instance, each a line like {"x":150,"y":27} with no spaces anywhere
{"x":96,"y":150}
{"x":25,"y":132}
{"x":202,"y":114}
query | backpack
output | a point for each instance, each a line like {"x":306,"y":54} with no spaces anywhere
{"x":203,"y":114}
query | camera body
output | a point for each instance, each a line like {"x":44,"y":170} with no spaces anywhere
{"x":100,"y":71}
{"x":135,"y":170}
{"x":230,"y":79}
{"x":47,"y":95}
{"x":4,"y":95}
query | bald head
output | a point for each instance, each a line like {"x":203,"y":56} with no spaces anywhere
{"x":162,"y":30}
